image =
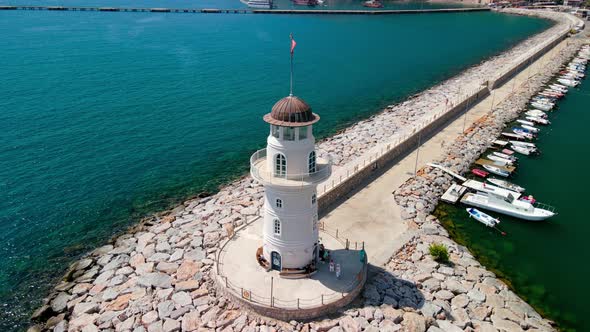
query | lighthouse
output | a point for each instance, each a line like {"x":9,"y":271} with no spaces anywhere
{"x":290,"y":170}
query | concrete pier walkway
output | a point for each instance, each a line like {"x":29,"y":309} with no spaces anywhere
{"x":244,"y":10}
{"x":372,"y":215}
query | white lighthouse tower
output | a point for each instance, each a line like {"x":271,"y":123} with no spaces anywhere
{"x":290,"y":170}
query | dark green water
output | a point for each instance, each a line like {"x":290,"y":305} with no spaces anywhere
{"x":105,"y":117}
{"x":545,"y":262}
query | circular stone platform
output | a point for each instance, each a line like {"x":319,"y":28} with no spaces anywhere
{"x":240,"y":276}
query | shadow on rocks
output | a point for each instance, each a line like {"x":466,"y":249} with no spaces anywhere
{"x":383,"y":287}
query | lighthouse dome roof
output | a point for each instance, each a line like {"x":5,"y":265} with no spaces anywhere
{"x":291,"y":111}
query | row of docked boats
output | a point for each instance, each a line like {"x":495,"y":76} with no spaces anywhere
{"x":496,"y":194}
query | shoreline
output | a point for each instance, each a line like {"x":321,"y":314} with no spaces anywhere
{"x":199,"y":224}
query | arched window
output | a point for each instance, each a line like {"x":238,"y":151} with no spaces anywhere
{"x":280,"y":165}
{"x":311,"y":162}
{"x":277,"y":226}
{"x":279,"y":203}
{"x":314,"y":199}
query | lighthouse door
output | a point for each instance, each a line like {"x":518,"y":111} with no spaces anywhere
{"x":275,"y":258}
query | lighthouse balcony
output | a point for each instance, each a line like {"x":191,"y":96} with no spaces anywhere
{"x":262,"y":173}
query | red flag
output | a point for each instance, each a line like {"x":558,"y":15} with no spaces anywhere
{"x":293,"y":43}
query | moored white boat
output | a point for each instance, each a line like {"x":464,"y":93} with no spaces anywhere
{"x":499,"y":160}
{"x":496,"y":170}
{"x":542,"y":106}
{"x":570,"y":83}
{"x":515,"y":208}
{"x":522,"y":150}
{"x":505,"y":156}
{"x":538,"y":120}
{"x":525,"y":122}
{"x":536,"y":113}
{"x":506,"y":185}
{"x":531,"y":128}
{"x":525,"y":144}
{"x":482,"y":217}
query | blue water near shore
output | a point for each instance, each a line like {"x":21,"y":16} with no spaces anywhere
{"x":105,"y":117}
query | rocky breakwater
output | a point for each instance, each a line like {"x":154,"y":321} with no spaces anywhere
{"x":472,"y":296}
{"x":156,"y":276}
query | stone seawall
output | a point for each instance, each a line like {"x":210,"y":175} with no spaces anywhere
{"x":156,"y":277}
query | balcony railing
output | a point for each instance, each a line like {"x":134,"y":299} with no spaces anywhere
{"x":260,"y":171}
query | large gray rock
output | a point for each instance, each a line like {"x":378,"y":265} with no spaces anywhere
{"x":155,"y":279}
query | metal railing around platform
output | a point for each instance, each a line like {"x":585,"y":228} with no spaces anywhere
{"x":297,"y":303}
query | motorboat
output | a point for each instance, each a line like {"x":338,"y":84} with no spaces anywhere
{"x":506,"y":185}
{"x":525,"y":122}
{"x":305,"y":2}
{"x":538,"y":120}
{"x":506,"y":156}
{"x":523,"y":150}
{"x":261,"y":4}
{"x":525,"y":144}
{"x":537,"y":113}
{"x":512,"y":135}
{"x":496,"y":170}
{"x":373,"y":4}
{"x":499,"y":160}
{"x":568,"y":82}
{"x":531,"y":128}
{"x":559,"y":86}
{"x":482,"y":217}
{"x":480,"y":172}
{"x":523,"y":132}
{"x":515,"y":208}
{"x":542,"y":105}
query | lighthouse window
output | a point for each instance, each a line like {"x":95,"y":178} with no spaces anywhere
{"x":302,"y":133}
{"x":274,"y":130}
{"x":289,"y":134}
{"x":311,"y":162}
{"x":280,"y":165}
{"x":279,"y":203}
{"x":277,"y":227}
{"x":314,"y":199}
{"x":315,"y":222}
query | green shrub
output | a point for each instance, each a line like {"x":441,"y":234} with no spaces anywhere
{"x":439,"y":252}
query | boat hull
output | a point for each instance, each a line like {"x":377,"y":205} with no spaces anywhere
{"x":468,"y":200}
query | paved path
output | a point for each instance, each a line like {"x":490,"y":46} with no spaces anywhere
{"x":371,"y":214}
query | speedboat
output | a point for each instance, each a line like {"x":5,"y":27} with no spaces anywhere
{"x":536,"y":113}
{"x":305,"y":2}
{"x":496,"y":170}
{"x":523,"y":132}
{"x":479,"y":172}
{"x":538,"y":120}
{"x":523,"y":150}
{"x":499,"y":160}
{"x":511,"y":135}
{"x":483,"y":218}
{"x":262,"y":4}
{"x":373,"y":4}
{"x":525,"y":122}
{"x":515,"y":208}
{"x":559,"y":87}
{"x":506,"y":185}
{"x":505,"y":156}
{"x":525,"y":144}
{"x":570,"y":83}
{"x":542,"y":105}
{"x":531,"y":128}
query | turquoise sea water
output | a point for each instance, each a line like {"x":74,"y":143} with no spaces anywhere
{"x":105,"y":117}
{"x":546,"y":262}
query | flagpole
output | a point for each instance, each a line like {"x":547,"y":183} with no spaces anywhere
{"x":292,"y":46}
{"x":291,"y":90}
